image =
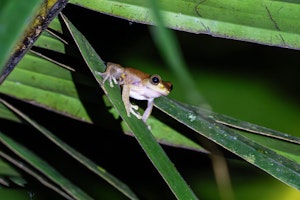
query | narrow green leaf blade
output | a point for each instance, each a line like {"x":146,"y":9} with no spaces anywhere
{"x":253,"y":151}
{"x":43,"y":83}
{"x":142,"y":134}
{"x":14,"y":17}
{"x":75,"y":154}
{"x":38,"y":15}
{"x":5,"y":113}
{"x":44,"y":168}
{"x":265,"y":22}
{"x":168,"y":136}
{"x":32,"y":172}
{"x":249,"y":127}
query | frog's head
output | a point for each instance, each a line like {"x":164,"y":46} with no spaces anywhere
{"x":158,"y":86}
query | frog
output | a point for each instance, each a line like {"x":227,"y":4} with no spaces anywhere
{"x":137,"y":85}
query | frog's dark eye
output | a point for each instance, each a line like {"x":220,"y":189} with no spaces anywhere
{"x":155,"y":79}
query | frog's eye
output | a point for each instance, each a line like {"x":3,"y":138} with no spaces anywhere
{"x":155,"y":79}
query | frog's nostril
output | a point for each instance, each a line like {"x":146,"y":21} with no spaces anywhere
{"x":168,"y":85}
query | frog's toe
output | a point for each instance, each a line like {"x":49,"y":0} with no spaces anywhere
{"x":134,"y":112}
{"x":135,"y":107}
{"x":111,"y":84}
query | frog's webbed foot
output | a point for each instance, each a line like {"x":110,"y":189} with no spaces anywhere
{"x":108,"y":76}
{"x":133,"y":110}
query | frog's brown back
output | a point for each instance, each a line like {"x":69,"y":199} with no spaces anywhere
{"x":135,"y":75}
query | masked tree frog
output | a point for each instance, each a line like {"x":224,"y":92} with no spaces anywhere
{"x":137,"y":85}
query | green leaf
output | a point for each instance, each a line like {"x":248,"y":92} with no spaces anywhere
{"x":44,"y":168}
{"x":155,"y":153}
{"x":37,"y":16}
{"x":43,"y":83}
{"x":265,"y":22}
{"x":278,"y":158}
{"x":5,"y":113}
{"x":49,"y":39}
{"x":75,"y":154}
{"x":7,"y":170}
{"x":14,"y":17}
{"x":170,"y":51}
{"x":46,"y":84}
{"x":164,"y":134}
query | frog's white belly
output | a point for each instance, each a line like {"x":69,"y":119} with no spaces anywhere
{"x":143,"y":93}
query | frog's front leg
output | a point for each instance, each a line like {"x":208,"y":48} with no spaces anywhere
{"x":128,"y":106}
{"x":148,"y":110}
